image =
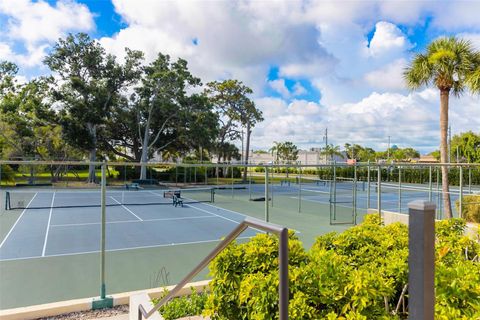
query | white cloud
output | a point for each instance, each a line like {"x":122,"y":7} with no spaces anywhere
{"x":279,"y":86}
{"x":473,"y":37}
{"x":322,"y":43}
{"x":34,"y":26}
{"x":410,"y":119}
{"x":303,"y":107}
{"x":33,"y":22}
{"x":6,"y":52}
{"x":456,"y":15}
{"x":405,"y":12}
{"x":389,"y":77}
{"x":388,"y":38}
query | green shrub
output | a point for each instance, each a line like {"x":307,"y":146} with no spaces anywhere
{"x":470,"y":208}
{"x":185,"y":306}
{"x":7,"y":173}
{"x":357,"y":274}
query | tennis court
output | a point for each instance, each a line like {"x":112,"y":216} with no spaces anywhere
{"x":55,"y":223}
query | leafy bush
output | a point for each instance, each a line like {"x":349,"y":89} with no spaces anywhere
{"x":357,"y":274}
{"x":470,"y":208}
{"x":7,"y":173}
{"x":185,"y":306}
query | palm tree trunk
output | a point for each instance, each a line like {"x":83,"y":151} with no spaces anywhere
{"x":247,"y":147}
{"x":444,"y":95}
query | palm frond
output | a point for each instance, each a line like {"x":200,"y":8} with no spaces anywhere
{"x":473,"y":81}
{"x":419,"y":73}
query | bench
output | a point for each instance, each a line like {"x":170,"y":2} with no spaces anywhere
{"x":132,"y":186}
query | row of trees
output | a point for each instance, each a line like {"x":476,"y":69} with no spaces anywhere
{"x":97,"y":106}
{"x":464,"y":148}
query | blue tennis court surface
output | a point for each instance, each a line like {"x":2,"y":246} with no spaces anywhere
{"x":49,"y":227}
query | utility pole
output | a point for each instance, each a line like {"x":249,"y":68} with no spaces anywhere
{"x":326,"y":144}
{"x":388,"y":148}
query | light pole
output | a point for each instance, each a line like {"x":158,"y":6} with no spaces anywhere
{"x":388,"y":148}
{"x":325,"y":138}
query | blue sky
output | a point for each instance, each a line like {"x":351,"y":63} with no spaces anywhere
{"x":311,"y":64}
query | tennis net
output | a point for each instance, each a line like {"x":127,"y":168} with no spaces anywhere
{"x":83,"y":198}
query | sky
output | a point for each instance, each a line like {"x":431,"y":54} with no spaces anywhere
{"x":312,"y":64}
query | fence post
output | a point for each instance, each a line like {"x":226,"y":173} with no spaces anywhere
{"x":368,"y":185}
{"x":379,"y":191}
{"x":460,"y":193}
{"x":300,"y":192}
{"x":267,"y":217}
{"x":430,"y":186}
{"x":103,"y":301}
{"x":421,"y":260}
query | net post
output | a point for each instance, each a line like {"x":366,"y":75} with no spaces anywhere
{"x":460,"y":193}
{"x":104,"y":301}
{"x":267,"y":217}
{"x":368,"y":185}
{"x":7,"y":201}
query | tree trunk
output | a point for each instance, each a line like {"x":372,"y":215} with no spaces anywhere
{"x":93,"y":153}
{"x":444,"y":95}
{"x":144,"y":158}
{"x":247,"y":148}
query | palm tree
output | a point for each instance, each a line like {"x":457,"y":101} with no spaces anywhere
{"x":447,"y":63}
{"x":274,"y":150}
{"x":330,"y":150}
{"x":473,"y":80}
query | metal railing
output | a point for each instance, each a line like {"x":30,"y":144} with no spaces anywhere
{"x":281,"y":232}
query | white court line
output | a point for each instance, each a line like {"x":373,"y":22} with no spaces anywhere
{"x":24,"y":210}
{"x":129,"y":221}
{"x":126,"y":208}
{"x":122,"y":249}
{"x":238,"y":213}
{"x":231,"y":220}
{"x":48,"y":225}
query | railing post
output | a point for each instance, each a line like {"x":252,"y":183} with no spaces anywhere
{"x":421,"y":260}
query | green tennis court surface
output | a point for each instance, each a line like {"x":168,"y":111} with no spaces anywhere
{"x":50,"y":244}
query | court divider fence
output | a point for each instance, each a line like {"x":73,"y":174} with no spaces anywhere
{"x":345,"y":188}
